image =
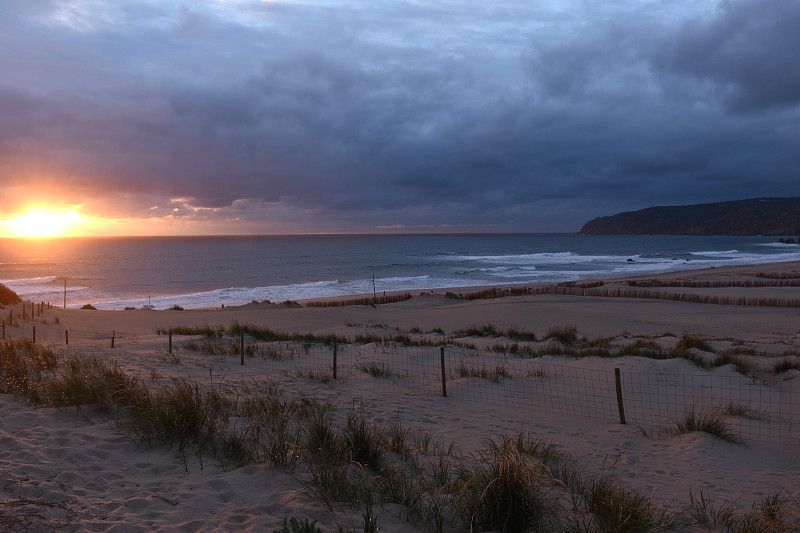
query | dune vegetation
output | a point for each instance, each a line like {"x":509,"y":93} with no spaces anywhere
{"x":346,"y":463}
{"x":7,"y":296}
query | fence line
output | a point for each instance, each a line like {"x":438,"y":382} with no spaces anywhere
{"x":669,"y":296}
{"x":765,"y":409}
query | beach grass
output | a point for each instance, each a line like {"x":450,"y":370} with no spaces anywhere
{"x":562,"y":341}
{"x":206,"y":330}
{"x":485,"y":330}
{"x":515,"y":483}
{"x":738,"y":360}
{"x":689,"y":341}
{"x":378,"y":370}
{"x":642,"y":348}
{"x":474,"y":370}
{"x":365,"y":442}
{"x":600,"y":502}
{"x":261,"y":333}
{"x":785,"y":364}
{"x":712,"y":420}
{"x":773,"y":513}
{"x":294,"y":524}
{"x":23,"y":365}
{"x":264,"y":333}
{"x":514,"y":333}
{"x":566,"y":335}
{"x":504,"y":490}
{"x":620,"y":510}
{"x":7,"y":296}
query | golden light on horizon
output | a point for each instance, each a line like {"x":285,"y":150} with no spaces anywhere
{"x":41,"y":222}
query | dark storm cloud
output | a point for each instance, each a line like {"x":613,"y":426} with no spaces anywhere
{"x":663,"y":107}
{"x":748,"y":50}
{"x":361,"y":115}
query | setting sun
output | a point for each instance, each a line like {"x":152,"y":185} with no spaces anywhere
{"x":42,"y":223}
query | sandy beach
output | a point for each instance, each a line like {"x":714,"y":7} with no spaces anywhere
{"x":74,"y":469}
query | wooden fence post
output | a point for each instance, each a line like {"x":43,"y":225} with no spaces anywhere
{"x":34,"y":334}
{"x":66,"y":337}
{"x":241,"y":347}
{"x":620,"y":406}
{"x":113,"y":334}
{"x":444,"y":374}
{"x":170,"y":341}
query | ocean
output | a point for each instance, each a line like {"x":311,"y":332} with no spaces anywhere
{"x":193,"y":272}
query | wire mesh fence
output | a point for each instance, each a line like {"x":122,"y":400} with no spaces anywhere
{"x":764,"y":408}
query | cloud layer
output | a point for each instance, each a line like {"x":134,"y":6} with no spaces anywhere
{"x":318,"y":116}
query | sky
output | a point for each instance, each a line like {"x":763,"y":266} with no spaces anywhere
{"x":370,"y":116}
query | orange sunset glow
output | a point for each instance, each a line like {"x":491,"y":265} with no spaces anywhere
{"x":43,"y":222}
{"x":51,"y":222}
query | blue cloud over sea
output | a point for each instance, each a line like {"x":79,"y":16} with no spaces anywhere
{"x":290,"y":116}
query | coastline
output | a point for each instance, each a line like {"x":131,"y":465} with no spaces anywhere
{"x":728,"y":271}
{"x":196,"y":274}
{"x":110,"y":480}
{"x":434,"y":309}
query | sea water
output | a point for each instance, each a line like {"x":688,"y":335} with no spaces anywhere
{"x":193,"y":272}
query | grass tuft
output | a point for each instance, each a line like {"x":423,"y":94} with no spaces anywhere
{"x":379,"y":370}
{"x":315,"y":375}
{"x":205,"y":329}
{"x":520,"y":335}
{"x":504,"y":491}
{"x":23,"y":368}
{"x":487,"y":330}
{"x":741,"y":363}
{"x":693,"y":340}
{"x":364,"y":442}
{"x":323,"y":442}
{"x":771,"y":514}
{"x":785,"y":364}
{"x":620,"y":510}
{"x":712,"y":420}
{"x":499,"y":371}
{"x":566,"y":335}
{"x":297,"y":525}
{"x":642,"y":348}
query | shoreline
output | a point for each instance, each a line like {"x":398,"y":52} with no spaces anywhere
{"x":238,"y":278}
{"x":592,"y":315}
{"x":700,"y":273}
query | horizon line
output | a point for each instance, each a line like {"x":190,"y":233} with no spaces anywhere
{"x":320,"y":234}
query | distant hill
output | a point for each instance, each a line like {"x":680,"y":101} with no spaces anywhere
{"x":758,"y":216}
